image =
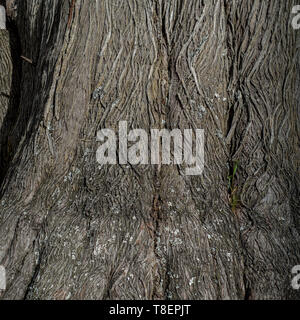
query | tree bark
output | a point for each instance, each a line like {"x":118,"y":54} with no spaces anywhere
{"x":72,"y":229}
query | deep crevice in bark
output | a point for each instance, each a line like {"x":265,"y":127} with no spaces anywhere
{"x":7,"y":146}
{"x":35,"y":273}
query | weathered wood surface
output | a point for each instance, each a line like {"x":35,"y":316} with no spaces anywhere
{"x":70,"y":229}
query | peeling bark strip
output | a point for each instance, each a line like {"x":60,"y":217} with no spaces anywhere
{"x":71,"y":12}
{"x":72,"y":229}
{"x":26,"y":59}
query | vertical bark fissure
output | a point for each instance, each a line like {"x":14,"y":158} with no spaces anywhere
{"x":35,"y":273}
{"x":7,"y":148}
{"x":160,"y":271}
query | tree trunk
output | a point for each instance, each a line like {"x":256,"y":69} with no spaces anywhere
{"x":72,"y":229}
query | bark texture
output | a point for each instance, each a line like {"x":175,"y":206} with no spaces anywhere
{"x":72,"y":229}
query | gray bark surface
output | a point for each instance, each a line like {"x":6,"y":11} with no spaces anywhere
{"x":72,"y":229}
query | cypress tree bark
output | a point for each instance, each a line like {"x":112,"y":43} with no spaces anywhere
{"x":72,"y":229}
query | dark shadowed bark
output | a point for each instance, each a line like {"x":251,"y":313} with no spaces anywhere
{"x":72,"y":229}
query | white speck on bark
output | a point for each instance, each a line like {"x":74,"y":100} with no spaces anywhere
{"x":191,"y":282}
